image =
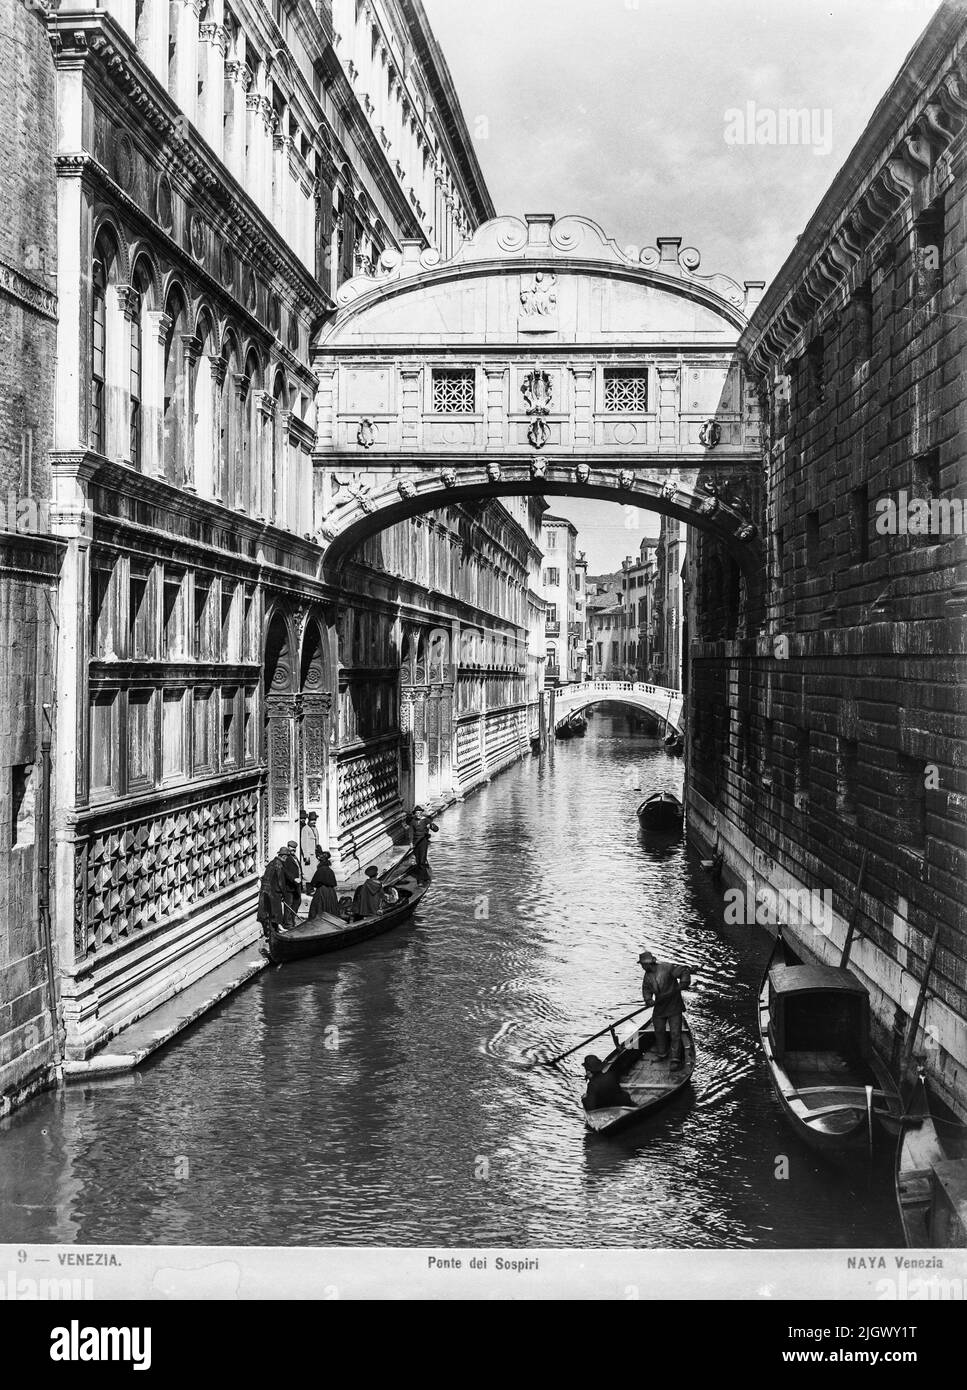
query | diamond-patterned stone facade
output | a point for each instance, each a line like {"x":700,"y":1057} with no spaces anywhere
{"x":130,"y":878}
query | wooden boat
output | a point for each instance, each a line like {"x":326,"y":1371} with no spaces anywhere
{"x":931,"y":1178}
{"x":674,"y":743}
{"x":564,"y":730}
{"x":814,"y":1028}
{"x":648,"y":1082}
{"x":328,"y":932}
{"x":579,"y":727}
{"x":661,"y":811}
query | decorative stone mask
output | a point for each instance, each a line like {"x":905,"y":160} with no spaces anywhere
{"x":493,"y":471}
{"x":407,"y":488}
{"x":538,"y":468}
{"x":448,"y":476}
{"x":625,"y":478}
{"x":582,"y":472}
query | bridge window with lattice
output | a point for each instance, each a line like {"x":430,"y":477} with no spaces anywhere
{"x":625,"y":390}
{"x":454,"y":391}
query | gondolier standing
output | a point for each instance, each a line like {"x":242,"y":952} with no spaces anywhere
{"x":421,"y":826}
{"x":662,"y":985}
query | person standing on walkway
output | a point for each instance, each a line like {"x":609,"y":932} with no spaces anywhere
{"x":308,"y":841}
{"x":293,"y":879}
{"x":323,"y":885}
{"x":273,"y":908}
{"x":421,"y":826}
{"x":662,"y":986}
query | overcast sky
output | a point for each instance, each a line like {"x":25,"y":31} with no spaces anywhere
{"x":617,"y":109}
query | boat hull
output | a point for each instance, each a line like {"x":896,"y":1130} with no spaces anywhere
{"x":325,"y":934}
{"x":661,"y":815}
{"x":649,"y":1083}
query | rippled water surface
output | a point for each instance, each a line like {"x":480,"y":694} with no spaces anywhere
{"x":389,"y":1094}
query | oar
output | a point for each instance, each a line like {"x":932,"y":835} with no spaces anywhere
{"x":607,"y":1029}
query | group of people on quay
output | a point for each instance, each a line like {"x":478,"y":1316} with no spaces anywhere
{"x":302,"y":867}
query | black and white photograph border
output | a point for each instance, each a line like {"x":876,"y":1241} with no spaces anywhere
{"x":482,"y":777}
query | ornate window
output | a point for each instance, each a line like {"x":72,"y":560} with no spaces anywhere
{"x":626,"y":390}
{"x":98,"y":353}
{"x":134,"y":418}
{"x":454,"y":391}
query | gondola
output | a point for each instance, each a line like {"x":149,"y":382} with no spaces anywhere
{"x":648,"y":1082}
{"x":674,"y":744}
{"x":931,"y":1178}
{"x":814,"y":1028}
{"x":579,"y":727}
{"x":660,"y":811}
{"x":564,"y":730}
{"x":330,"y":933}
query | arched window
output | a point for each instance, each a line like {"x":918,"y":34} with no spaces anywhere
{"x":250,"y":433}
{"x":175,"y":389}
{"x":98,"y":353}
{"x":141,"y":286}
{"x":280,"y":445}
{"x":206,"y":453}
{"x":227,"y":425}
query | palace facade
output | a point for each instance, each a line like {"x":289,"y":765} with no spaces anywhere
{"x":208,"y":174}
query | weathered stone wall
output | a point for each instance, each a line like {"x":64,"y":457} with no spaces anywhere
{"x":28,"y":558}
{"x":836,"y":727}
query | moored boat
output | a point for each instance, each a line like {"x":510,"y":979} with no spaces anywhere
{"x":579,"y":727}
{"x":660,"y":811}
{"x":931,"y":1178}
{"x":647,"y":1081}
{"x":564,"y":730}
{"x":814,"y":1028}
{"x":327,"y":932}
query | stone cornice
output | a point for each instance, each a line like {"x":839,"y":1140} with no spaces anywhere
{"x":912,"y":142}
{"x":544,"y":242}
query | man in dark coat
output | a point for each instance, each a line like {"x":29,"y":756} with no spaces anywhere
{"x":293,"y":878}
{"x":421,"y":826}
{"x":604,"y":1083}
{"x":662,"y":985}
{"x":273,"y":906}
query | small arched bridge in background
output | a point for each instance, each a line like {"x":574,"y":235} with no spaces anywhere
{"x":664,"y":704}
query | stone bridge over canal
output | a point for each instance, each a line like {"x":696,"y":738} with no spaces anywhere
{"x":663,"y":703}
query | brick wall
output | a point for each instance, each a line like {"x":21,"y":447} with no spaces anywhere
{"x":837,"y":724}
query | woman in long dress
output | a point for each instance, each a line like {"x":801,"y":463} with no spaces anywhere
{"x":323,"y":885}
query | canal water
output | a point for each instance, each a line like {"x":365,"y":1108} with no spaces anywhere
{"x":390,"y":1094}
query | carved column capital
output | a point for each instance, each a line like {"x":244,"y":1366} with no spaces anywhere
{"x":129,"y":301}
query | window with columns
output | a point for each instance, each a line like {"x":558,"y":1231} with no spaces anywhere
{"x":176,"y":390}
